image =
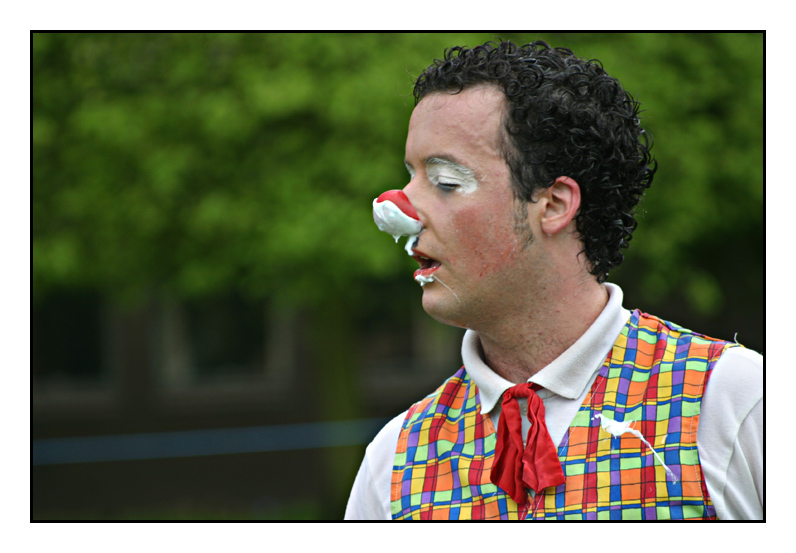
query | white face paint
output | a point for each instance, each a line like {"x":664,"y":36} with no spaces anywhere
{"x":447,"y":174}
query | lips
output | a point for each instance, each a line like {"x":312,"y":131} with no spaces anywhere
{"x":427,"y":264}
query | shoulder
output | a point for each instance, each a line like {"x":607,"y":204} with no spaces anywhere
{"x":734,"y":389}
{"x":733,"y":399}
{"x":446,"y":394}
{"x":370,"y":495}
{"x":733,"y":395}
{"x":730,"y":435}
{"x":387,"y":438}
{"x":383,"y":445}
{"x":737,"y":379}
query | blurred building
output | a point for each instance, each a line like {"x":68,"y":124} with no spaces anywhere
{"x":172,"y":368}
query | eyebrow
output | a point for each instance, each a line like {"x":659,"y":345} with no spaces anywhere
{"x":446,"y":161}
{"x":450,"y":163}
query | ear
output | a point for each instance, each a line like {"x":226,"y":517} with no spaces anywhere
{"x":560,"y":204}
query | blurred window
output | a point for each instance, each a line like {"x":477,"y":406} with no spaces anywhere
{"x":225,"y":340}
{"x":226,"y":337}
{"x":66,"y":344}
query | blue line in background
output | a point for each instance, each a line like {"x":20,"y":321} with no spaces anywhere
{"x":191,"y":443}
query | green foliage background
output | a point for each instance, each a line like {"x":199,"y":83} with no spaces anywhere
{"x":187,"y":164}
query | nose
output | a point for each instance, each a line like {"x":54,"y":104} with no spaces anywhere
{"x":417,"y":193}
{"x":394,"y":214}
{"x":401,"y":201}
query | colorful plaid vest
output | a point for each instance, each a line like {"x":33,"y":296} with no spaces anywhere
{"x":655,"y":375}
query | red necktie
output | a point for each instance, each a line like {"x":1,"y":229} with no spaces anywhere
{"x":537,"y":465}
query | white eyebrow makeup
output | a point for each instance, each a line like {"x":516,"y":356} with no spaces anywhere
{"x":448,"y":172}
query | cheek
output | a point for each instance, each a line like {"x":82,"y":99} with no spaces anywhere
{"x":485,"y":242}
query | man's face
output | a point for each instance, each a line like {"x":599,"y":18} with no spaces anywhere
{"x":476,"y":235}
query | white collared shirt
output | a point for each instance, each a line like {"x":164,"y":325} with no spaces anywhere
{"x":729,"y":441}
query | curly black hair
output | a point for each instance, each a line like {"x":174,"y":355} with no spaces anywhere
{"x":565,"y":116}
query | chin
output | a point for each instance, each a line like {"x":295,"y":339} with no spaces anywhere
{"x":443,"y":307}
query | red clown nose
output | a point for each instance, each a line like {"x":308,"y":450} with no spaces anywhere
{"x":401,"y":202}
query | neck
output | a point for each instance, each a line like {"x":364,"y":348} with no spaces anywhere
{"x":517,"y":347}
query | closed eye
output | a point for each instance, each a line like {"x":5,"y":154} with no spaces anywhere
{"x":449,"y":176}
{"x":447,"y":186}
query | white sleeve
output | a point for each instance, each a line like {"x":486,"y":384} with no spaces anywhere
{"x":730,"y":435}
{"x":370,"y":495}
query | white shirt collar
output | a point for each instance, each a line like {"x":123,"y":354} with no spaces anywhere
{"x":570,"y":373}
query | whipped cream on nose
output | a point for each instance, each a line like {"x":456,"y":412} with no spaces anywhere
{"x":394,"y":214}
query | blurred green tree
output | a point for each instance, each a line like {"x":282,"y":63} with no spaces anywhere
{"x":191,"y":163}
{"x":197,"y":162}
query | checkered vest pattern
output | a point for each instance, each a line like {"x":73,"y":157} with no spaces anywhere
{"x":654,"y":375}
